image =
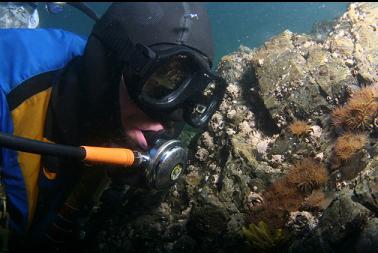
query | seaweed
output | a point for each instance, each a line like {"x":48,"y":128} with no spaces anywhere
{"x":261,"y":239}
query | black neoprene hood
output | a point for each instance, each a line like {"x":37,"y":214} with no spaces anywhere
{"x":140,"y":38}
{"x":166,"y":23}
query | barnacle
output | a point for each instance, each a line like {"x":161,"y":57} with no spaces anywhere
{"x":299,"y":128}
{"x":262,"y":239}
{"x":349,"y":144}
{"x":254,"y":199}
{"x":207,"y":140}
{"x":307,"y":175}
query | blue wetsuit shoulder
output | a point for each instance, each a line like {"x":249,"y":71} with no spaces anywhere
{"x":29,"y":52}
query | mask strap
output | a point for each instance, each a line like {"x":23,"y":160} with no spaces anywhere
{"x":186,"y":23}
{"x":115,"y":37}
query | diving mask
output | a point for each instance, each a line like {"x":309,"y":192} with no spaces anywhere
{"x":163,"y":81}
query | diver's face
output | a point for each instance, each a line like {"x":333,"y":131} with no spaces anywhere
{"x":134,"y":120}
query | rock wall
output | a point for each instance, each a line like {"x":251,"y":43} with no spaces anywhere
{"x":251,"y":144}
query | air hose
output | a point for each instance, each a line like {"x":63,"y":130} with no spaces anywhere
{"x":115,"y":156}
{"x":162,"y":164}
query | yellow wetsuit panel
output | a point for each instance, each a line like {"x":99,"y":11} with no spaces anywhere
{"x":29,"y":122}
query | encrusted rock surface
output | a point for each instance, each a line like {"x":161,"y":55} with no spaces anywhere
{"x":349,"y":224}
{"x":247,"y":147}
{"x":298,"y":79}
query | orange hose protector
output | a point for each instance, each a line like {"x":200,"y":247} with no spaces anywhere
{"x":114,"y":156}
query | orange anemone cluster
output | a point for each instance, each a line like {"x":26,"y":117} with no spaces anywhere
{"x":288,"y":193}
{"x":360,"y":110}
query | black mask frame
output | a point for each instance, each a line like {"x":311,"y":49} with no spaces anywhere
{"x":188,"y":96}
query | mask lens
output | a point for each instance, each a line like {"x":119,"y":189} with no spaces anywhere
{"x":168,"y":77}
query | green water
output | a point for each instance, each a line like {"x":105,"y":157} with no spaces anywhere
{"x":233,"y":24}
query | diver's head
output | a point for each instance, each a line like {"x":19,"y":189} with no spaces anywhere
{"x":166,"y":51}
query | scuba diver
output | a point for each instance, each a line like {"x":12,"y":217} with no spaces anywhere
{"x":76,"y":112}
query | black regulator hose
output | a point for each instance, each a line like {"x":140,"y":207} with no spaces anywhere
{"x":40,"y":147}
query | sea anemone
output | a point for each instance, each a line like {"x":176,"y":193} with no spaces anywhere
{"x":281,"y":196}
{"x":361,"y":114}
{"x":367,"y":93}
{"x":318,"y":200}
{"x":287,"y":193}
{"x":307,"y":175}
{"x":360,"y":110}
{"x":279,"y":200}
{"x":299,"y":128}
{"x":339,"y":114}
{"x":349,"y":144}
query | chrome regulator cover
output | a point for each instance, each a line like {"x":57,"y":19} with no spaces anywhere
{"x":166,"y":162}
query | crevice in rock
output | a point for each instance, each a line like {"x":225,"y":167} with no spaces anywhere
{"x":224,"y":154}
{"x":250,"y":93}
{"x":306,"y":56}
{"x":346,"y":245}
{"x":322,"y":92}
{"x":371,"y":207}
{"x":362,"y":81}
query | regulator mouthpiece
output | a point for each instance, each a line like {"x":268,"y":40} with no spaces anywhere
{"x":163,"y":163}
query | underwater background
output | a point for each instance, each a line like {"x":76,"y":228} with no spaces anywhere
{"x":289,"y":162}
{"x":233,"y":24}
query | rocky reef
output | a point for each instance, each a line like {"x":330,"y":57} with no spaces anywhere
{"x":289,"y":162}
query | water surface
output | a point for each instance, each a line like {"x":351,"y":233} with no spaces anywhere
{"x":233,"y":24}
